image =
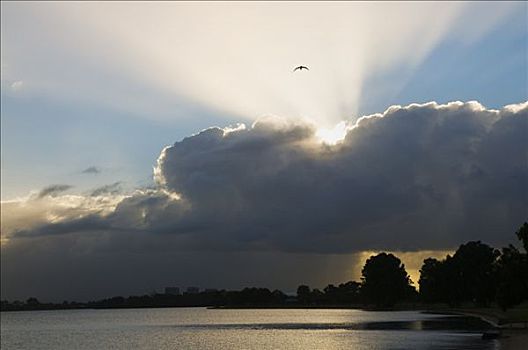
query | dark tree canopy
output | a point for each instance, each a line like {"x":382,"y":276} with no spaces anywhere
{"x":478,"y":273}
{"x":432,"y":281}
{"x":468,"y":276}
{"x":385,"y":281}
{"x":512,"y":277}
{"x":303,"y":294}
{"x":474,"y":272}
{"x":344,"y":293}
{"x":32,"y":301}
{"x":522,"y":234}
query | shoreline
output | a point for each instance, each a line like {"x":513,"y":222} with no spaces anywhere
{"x":492,"y":320}
{"x":511,"y":335}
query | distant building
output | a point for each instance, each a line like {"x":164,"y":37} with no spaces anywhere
{"x":172,"y":290}
{"x":193,"y":290}
{"x":210,"y":290}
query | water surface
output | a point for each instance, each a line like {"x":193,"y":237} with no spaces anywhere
{"x":200,"y":328}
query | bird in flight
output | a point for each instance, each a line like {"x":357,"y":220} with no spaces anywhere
{"x":301,"y":68}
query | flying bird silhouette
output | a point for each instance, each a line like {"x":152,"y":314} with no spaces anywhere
{"x":300,"y":68}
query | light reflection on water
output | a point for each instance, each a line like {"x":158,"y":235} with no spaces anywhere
{"x":199,"y":328}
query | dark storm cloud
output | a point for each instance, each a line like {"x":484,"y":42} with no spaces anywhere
{"x":418,"y":177}
{"x":53,"y":190}
{"x":87,"y":223}
{"x":91,"y":170}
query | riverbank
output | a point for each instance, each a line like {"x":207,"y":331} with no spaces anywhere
{"x":513,"y":318}
{"x":512,"y":324}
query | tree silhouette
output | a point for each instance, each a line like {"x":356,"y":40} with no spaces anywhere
{"x":348,"y":292}
{"x":474,"y":272}
{"x":384,"y":280}
{"x":32,"y":301}
{"x":303,"y":294}
{"x":432,"y":281}
{"x":522,"y":234}
{"x":513,"y":277}
{"x":469,"y":275}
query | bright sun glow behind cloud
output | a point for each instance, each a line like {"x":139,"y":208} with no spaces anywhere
{"x":332,"y":136}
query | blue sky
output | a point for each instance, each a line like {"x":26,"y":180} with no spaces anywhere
{"x":50,"y":137}
{"x":45,"y":141}
{"x":493,"y":70}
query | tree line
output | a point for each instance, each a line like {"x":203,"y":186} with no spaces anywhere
{"x":479,"y":274}
{"x":476,"y":273}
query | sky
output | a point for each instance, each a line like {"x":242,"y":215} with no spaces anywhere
{"x":145,"y":145}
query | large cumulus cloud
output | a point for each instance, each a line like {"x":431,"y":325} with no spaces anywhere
{"x":418,"y":177}
{"x":422,"y":176}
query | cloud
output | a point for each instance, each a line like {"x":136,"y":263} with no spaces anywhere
{"x":17,"y":85}
{"x":53,"y":190}
{"x":111,"y":189}
{"x":34,"y":213}
{"x":91,"y":170}
{"x":417,"y":177}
